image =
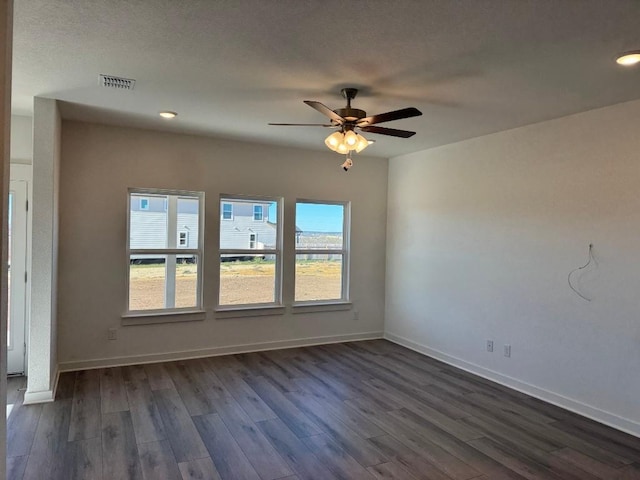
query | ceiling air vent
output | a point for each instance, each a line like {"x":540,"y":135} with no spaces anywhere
{"x":120,"y":83}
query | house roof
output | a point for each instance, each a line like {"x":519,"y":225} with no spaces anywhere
{"x":228,"y":67}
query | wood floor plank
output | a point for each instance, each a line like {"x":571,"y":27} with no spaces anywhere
{"x":423,"y":446}
{"x":147,"y":424}
{"x":301,"y":460}
{"x":390,"y":470}
{"x":83,"y":460}
{"x":451,"y":444}
{"x":625,"y":450}
{"x":178,"y":426}
{"x":16,"y":467}
{"x":50,"y":442}
{"x":351,"y":419}
{"x":113,"y":396}
{"x":283,"y":408}
{"x":120,"y":459}
{"x":335,"y":458}
{"x":229,"y":459}
{"x":158,"y":462}
{"x":204,"y":373}
{"x":201,"y":469}
{"x":347,"y":439}
{"x":599,"y":469}
{"x":21,"y":428}
{"x":158,"y":376}
{"x":260,"y":453}
{"x":66,"y":385}
{"x":408,"y":459}
{"x":191,"y":390}
{"x":510,"y":459}
{"x":631,"y":472}
{"x":86,"y":406}
{"x":249,"y":400}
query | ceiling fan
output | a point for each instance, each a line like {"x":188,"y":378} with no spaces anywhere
{"x":348,"y":120}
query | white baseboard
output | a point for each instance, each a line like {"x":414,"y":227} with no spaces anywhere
{"x":615,"y":421}
{"x":213,"y":351}
{"x":43,"y":396}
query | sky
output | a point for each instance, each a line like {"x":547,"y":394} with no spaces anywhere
{"x":314,"y":217}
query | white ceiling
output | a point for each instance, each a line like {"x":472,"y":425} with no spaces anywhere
{"x":228,"y":67}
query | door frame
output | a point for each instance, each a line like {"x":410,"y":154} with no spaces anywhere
{"x":22,"y":172}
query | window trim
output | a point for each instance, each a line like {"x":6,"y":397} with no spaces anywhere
{"x":177,"y":250}
{"x":345,"y":298}
{"x":277,"y":252}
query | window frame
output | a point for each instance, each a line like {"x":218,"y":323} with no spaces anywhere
{"x":345,"y":252}
{"x":172,"y":232}
{"x":277,"y":252}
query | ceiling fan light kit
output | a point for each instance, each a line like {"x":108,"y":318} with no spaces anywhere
{"x":348,"y":119}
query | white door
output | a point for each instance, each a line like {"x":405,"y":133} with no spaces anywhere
{"x":17,"y":275}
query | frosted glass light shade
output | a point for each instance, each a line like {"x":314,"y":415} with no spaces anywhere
{"x":351,"y":139}
{"x":333,"y":140}
{"x":361,"y":144}
{"x":342,"y":149}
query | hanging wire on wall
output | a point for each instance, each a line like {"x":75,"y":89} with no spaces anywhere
{"x":580,"y":268}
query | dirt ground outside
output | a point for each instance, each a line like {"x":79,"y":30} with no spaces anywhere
{"x":241,"y":282}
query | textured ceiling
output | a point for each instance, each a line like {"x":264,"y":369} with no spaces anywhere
{"x":228,"y":67}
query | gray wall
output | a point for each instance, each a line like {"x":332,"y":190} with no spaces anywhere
{"x":481,"y":236}
{"x":21,"y":139}
{"x":100,"y":162}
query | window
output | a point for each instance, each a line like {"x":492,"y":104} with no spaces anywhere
{"x":250,"y":272}
{"x":164,"y":273}
{"x":322,"y":251}
{"x":183,"y":239}
{"x":257,"y":213}
{"x":227,"y":211}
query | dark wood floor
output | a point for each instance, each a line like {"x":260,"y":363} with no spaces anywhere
{"x":362,"y":410}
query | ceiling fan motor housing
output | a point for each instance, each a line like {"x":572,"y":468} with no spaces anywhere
{"x":351,"y":114}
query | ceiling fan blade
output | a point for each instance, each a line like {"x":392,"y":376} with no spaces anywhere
{"x":303,"y":124}
{"x":389,"y":116}
{"x":388,"y":131}
{"x":323,"y":109}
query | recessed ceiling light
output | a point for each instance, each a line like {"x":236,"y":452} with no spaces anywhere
{"x":629,"y":58}
{"x":168,"y":114}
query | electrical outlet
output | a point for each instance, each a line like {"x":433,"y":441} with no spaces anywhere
{"x":356,"y":315}
{"x":112,"y":334}
{"x":489,"y":345}
{"x":507,"y":350}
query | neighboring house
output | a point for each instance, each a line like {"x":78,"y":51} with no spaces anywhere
{"x":149,"y":224}
{"x":246,"y":225}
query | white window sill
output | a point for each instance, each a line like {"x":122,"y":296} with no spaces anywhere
{"x":249,"y":311}
{"x":312,"y":307}
{"x":148,"y":318}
